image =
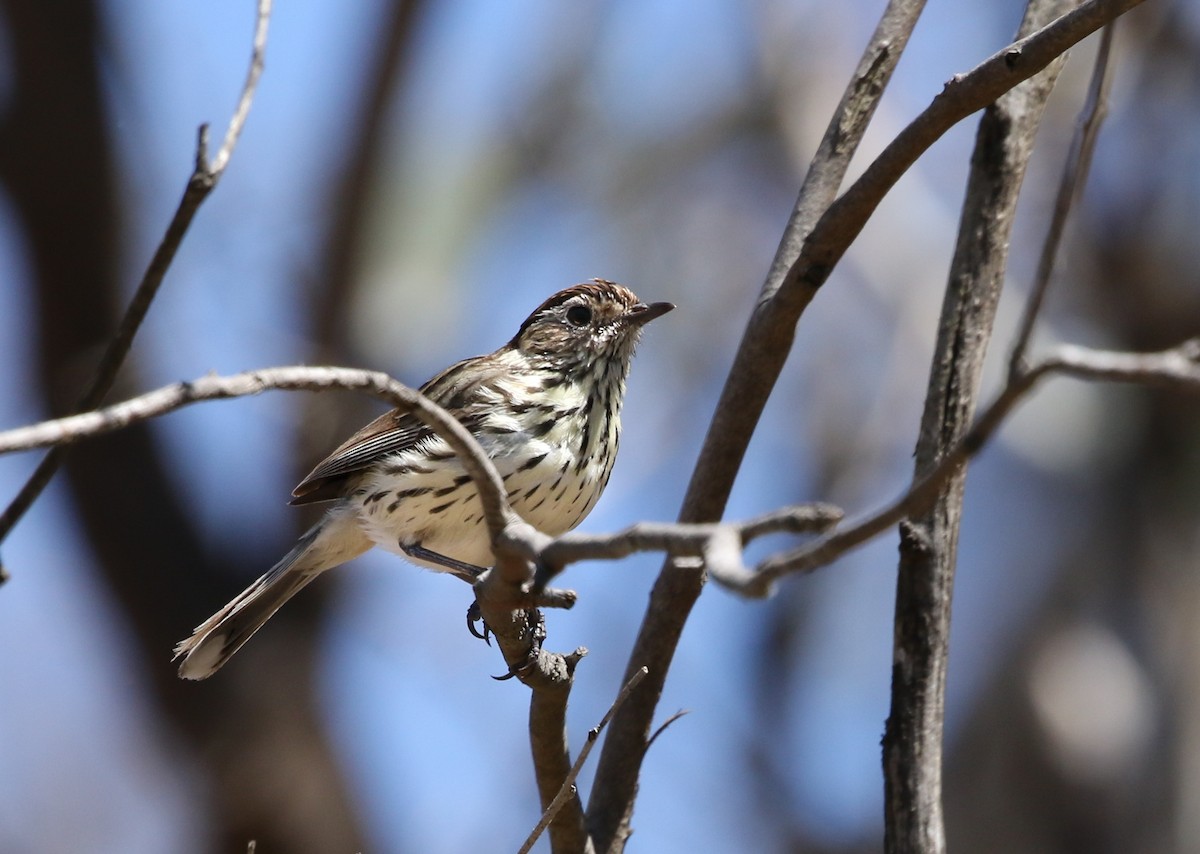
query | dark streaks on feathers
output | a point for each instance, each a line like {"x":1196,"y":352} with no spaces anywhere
{"x":533,"y":462}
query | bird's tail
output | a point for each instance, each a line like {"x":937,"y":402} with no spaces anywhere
{"x":334,"y":540}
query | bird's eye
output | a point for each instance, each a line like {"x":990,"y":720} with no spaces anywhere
{"x":579,"y":315}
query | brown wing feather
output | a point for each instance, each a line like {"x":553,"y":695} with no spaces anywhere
{"x":390,"y":433}
{"x":395,"y":431}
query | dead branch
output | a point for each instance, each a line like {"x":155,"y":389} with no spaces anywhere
{"x":756,"y":367}
{"x":1079,"y":161}
{"x":65,"y":431}
{"x":202,"y":182}
{"x":567,"y":790}
{"x":1178,"y":367}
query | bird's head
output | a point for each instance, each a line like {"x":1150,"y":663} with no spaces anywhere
{"x":597,"y":320}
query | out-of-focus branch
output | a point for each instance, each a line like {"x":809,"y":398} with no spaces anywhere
{"x":913,"y":736}
{"x":963,"y":95}
{"x":817,"y":235}
{"x":1178,"y":367}
{"x":203,"y":180}
{"x":262,"y":754}
{"x":349,"y":202}
{"x":757,"y":365}
{"x":1079,"y":161}
{"x":369,"y":139}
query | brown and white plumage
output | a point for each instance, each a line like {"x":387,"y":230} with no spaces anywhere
{"x":546,"y":409}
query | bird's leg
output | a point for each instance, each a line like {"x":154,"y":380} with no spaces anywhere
{"x":468,"y":572}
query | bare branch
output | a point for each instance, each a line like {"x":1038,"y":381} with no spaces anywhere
{"x":567,"y":790}
{"x":1079,"y":161}
{"x":678,"y":539}
{"x":928,"y":553}
{"x":502,"y":593}
{"x":503,"y":600}
{"x":663,"y":727}
{"x":814,"y":240}
{"x":549,"y":692}
{"x":1178,"y":367}
{"x":217,"y":168}
{"x":517,"y":538}
{"x":202,"y":182}
{"x":73,"y":428}
{"x":963,"y":95}
{"x":771,"y":328}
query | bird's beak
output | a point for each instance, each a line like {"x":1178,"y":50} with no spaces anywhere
{"x":641,"y":314}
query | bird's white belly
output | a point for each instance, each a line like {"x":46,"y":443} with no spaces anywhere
{"x":437,"y":507}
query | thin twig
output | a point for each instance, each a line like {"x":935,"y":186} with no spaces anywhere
{"x":202,"y":182}
{"x":678,"y":539}
{"x":568,"y":785}
{"x":1178,"y":367}
{"x":1079,"y":161}
{"x":663,"y":727}
{"x":963,"y":95}
{"x":238,"y":121}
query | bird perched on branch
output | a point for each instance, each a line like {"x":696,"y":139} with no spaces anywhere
{"x":545,"y":407}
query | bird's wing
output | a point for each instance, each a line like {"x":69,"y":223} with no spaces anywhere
{"x":455,"y":389}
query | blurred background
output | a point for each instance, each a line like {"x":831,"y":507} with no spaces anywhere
{"x":414,"y":178}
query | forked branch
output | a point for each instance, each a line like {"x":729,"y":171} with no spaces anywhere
{"x":719,"y":545}
{"x":203,"y":180}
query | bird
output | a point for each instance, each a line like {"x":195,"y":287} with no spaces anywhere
{"x":545,"y":408}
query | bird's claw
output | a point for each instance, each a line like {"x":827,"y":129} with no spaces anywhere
{"x":512,"y":671}
{"x":537,"y":634}
{"x":518,"y":669}
{"x":474,"y":616}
